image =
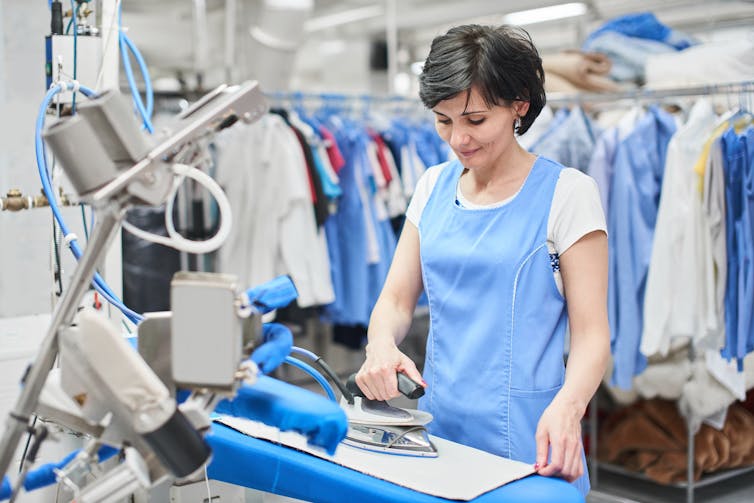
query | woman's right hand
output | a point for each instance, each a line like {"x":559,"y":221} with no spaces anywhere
{"x":377,"y":379}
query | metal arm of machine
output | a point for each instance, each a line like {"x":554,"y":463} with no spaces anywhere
{"x":129,"y":177}
{"x":19,"y":417}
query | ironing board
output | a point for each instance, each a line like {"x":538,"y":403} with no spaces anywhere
{"x":250,"y":462}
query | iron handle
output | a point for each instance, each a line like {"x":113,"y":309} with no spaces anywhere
{"x":407,"y":386}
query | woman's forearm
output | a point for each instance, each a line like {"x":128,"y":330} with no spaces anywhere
{"x":587,"y":361}
{"x":389,"y":322}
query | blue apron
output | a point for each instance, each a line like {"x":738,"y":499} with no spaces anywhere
{"x":497,"y":320}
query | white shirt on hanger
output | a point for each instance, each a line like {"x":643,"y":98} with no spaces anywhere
{"x":263,"y":170}
{"x":676,"y":300}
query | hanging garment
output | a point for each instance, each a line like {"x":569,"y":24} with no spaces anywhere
{"x":679,"y":300}
{"x":634,"y":198}
{"x":360,"y":235}
{"x":713,"y":205}
{"x":347,"y":241}
{"x":430,"y":148}
{"x":379,"y":218}
{"x":264,"y":173}
{"x":494,"y":355}
{"x":746,"y":343}
{"x":733,"y":158}
{"x":570,"y":142}
{"x":319,"y":201}
{"x":333,"y":151}
{"x":739,"y":297}
{"x":603,"y":157}
{"x":326,"y":177}
{"x":405,"y":143}
{"x":396,"y":198}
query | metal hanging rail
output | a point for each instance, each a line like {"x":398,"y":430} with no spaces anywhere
{"x":742,"y":87}
{"x":366,"y":98}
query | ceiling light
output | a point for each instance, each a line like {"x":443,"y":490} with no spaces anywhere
{"x":543,"y":14}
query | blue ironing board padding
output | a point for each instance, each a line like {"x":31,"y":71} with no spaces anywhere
{"x":258,"y":464}
{"x":289,"y":408}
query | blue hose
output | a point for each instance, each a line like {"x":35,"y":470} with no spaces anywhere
{"x":304,"y":352}
{"x":312,"y":372}
{"x":127,"y":45}
{"x":99,"y":283}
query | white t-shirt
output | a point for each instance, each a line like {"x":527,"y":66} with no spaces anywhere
{"x":576,"y":209}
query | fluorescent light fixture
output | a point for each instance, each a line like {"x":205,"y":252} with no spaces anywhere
{"x":543,"y":14}
{"x":343,"y":17}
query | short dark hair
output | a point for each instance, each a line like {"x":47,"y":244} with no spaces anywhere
{"x":500,"y":60}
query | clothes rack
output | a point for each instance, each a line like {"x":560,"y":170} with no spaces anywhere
{"x":353,"y":102}
{"x":743,"y":92}
{"x":364,"y":97}
{"x":642,"y":94}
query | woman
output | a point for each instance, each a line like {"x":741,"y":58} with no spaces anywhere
{"x":498,"y":239}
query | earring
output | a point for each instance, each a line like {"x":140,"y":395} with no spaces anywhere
{"x":517,"y":124}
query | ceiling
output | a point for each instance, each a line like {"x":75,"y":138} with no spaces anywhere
{"x":191,"y":36}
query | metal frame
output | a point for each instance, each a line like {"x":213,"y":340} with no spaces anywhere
{"x":651,"y":94}
{"x":245,"y":102}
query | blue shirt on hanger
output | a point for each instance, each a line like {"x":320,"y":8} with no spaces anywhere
{"x":634,"y":200}
{"x":347,"y":240}
{"x":739,"y":292}
{"x":570,"y":141}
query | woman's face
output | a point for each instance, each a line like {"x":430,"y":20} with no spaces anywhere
{"x":477,"y":134}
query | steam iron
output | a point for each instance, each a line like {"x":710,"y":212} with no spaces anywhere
{"x":376,"y":426}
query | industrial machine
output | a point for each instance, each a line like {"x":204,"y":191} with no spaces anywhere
{"x":151,"y":406}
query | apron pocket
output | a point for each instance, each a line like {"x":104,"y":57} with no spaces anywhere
{"x":525,"y":409}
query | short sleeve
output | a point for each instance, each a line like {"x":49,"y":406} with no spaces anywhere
{"x":423,"y":190}
{"x":576,"y":210}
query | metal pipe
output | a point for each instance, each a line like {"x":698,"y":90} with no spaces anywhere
{"x":231,"y":10}
{"x":62,"y":316}
{"x":690,"y":465}
{"x":201,"y":40}
{"x":652,"y":94}
{"x":391,"y":36}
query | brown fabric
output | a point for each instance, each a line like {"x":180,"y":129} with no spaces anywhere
{"x":651,"y":437}
{"x":670,"y":468}
{"x":739,"y":426}
{"x":636,"y":432}
{"x":586,"y":71}
{"x":665,"y":415}
{"x":640,"y":460}
{"x":711,"y":449}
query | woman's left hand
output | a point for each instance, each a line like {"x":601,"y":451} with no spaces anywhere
{"x":559,"y":433}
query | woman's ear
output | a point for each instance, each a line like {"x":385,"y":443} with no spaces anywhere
{"x":521,"y":108}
